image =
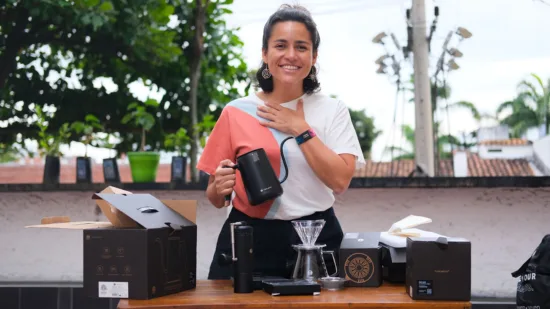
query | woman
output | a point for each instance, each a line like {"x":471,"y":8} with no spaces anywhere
{"x":321,"y":160}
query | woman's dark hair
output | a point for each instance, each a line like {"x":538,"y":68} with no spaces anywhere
{"x":291,"y":13}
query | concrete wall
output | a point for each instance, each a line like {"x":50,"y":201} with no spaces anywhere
{"x":504,"y":225}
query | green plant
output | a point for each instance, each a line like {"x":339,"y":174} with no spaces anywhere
{"x":107,"y":141}
{"x":49,"y":144}
{"x":177,"y":141}
{"x":141,"y":118}
{"x":86,"y":129}
{"x":204,"y":128}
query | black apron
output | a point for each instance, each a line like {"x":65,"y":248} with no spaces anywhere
{"x":273,"y":240}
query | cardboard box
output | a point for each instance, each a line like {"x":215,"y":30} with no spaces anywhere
{"x":438,"y":268}
{"x":147,"y":249}
{"x":393,"y":263}
{"x":360,"y":260}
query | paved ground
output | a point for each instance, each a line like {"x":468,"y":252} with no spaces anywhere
{"x":504,"y":225}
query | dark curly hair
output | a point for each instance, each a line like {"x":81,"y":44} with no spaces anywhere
{"x":291,"y":13}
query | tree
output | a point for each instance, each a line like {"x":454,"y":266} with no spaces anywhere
{"x":530,"y":108}
{"x":443,"y":141}
{"x":146,"y":41}
{"x":366,"y":131}
{"x":364,"y":127}
{"x":208,"y":73}
{"x":46,"y":42}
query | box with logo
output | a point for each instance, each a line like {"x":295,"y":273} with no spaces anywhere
{"x":147,"y":249}
{"x":438,"y":268}
{"x":360,"y":260}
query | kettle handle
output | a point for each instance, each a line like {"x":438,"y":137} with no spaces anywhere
{"x":228,"y":197}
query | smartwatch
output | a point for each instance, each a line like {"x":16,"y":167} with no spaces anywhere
{"x":304,"y":137}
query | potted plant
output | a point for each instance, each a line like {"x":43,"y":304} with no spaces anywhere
{"x":143,"y":164}
{"x":86,"y":132}
{"x":49,"y":146}
{"x":178,"y":142}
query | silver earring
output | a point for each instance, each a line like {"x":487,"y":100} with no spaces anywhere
{"x":265,"y":73}
{"x":312,"y":76}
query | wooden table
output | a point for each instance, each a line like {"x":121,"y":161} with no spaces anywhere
{"x":219,"y":294}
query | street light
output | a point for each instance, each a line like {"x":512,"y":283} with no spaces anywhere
{"x":381,"y":69}
{"x":452,"y":65}
{"x":381,"y":59}
{"x":378,"y":38}
{"x":465,"y":34}
{"x":455,"y":52}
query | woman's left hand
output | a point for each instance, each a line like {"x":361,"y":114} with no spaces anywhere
{"x":284,"y":119}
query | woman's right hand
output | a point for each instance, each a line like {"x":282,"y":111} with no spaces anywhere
{"x":224,"y":179}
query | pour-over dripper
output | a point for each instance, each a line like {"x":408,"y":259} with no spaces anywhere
{"x":308,"y":230}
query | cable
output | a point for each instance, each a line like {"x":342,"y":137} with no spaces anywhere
{"x":447,"y":110}
{"x":388,"y":138}
{"x":359,"y":7}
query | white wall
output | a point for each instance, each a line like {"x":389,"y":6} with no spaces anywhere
{"x":505,"y":152}
{"x":504,"y":225}
{"x":541,"y":150}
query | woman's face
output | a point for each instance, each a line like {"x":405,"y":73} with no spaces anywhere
{"x":289,"y":53}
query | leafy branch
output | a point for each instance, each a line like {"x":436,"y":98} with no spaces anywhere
{"x":140,"y":117}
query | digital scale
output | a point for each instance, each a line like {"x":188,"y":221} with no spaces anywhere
{"x":282,"y":287}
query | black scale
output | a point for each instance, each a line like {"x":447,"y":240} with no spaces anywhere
{"x":282,"y":287}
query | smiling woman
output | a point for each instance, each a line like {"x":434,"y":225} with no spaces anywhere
{"x":289,"y":52}
{"x":321,"y":161}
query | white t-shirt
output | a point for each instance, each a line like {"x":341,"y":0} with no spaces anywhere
{"x":238,"y":131}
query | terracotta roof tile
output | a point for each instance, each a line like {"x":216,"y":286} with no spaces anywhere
{"x":506,"y":142}
{"x":477,"y":167}
{"x":400,"y":168}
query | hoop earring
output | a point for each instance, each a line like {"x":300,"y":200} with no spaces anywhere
{"x":312,"y":75}
{"x":265,"y":72}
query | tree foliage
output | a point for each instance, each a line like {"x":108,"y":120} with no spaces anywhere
{"x":365,"y":129}
{"x":53,"y":52}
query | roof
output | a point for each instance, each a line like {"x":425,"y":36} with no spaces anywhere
{"x":401,"y":168}
{"x":506,"y":142}
{"x":32,"y":171}
{"x":477,"y":167}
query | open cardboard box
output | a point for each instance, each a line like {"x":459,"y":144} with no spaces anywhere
{"x":146,"y":250}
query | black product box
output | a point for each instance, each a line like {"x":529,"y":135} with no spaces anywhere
{"x":393,"y":263}
{"x":155,"y":259}
{"x":360,"y":260}
{"x":438,"y":268}
{"x":147,"y":249}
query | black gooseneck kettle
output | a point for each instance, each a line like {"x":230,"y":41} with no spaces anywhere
{"x":259,"y":178}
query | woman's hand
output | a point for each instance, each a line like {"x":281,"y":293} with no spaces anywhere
{"x":284,"y":119}
{"x":224,"y":179}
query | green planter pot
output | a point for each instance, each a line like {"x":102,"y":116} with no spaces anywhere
{"x":144,"y":165}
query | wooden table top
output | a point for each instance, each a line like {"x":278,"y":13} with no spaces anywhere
{"x":219,"y":294}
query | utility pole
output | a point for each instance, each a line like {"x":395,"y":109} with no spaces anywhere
{"x":424,"y":148}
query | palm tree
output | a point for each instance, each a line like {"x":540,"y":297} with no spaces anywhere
{"x":442,"y":92}
{"x":442,"y":142}
{"x":530,"y":108}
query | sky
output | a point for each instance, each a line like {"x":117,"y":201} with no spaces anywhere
{"x":508,"y":43}
{"x":506,"y":46}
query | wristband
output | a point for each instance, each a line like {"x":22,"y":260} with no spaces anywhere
{"x":304,"y":137}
